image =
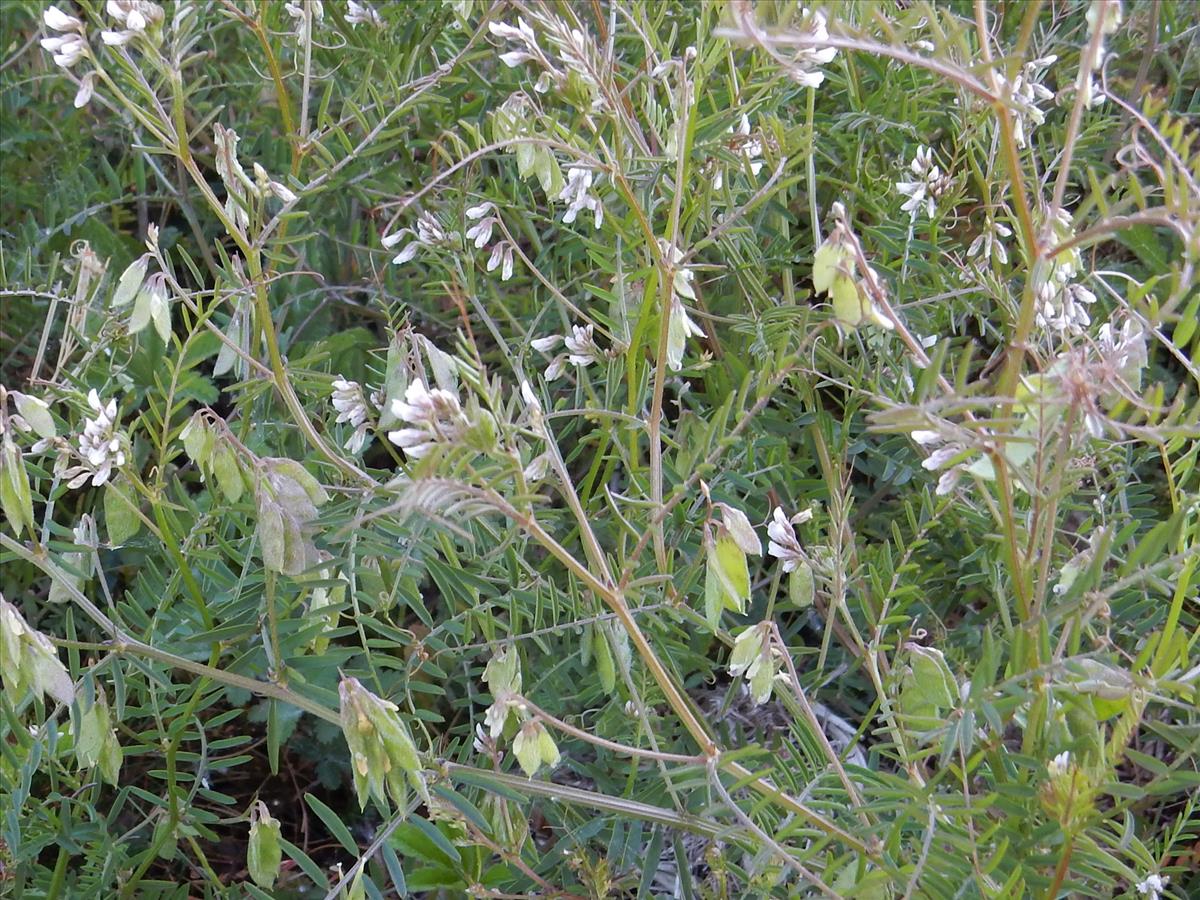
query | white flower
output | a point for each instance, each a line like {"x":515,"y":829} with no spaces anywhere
{"x":782,"y":541}
{"x":577,"y":193}
{"x":502,"y":256}
{"x":497,"y":714}
{"x":804,"y":63}
{"x":302,"y":23}
{"x":545,"y":344}
{"x":1152,"y":885}
{"x":435,"y":416}
{"x":100,"y":446}
{"x":1058,"y":766}
{"x":362,"y":14}
{"x":135,"y":16}
{"x":1027,"y":92}
{"x":87,"y":87}
{"x":948,"y":481}
{"x":679,"y":329}
{"x":351,"y":407}
{"x":481,"y":231}
{"x":66,"y":50}
{"x":750,"y":148}
{"x":429,"y":233}
{"x":1063,"y":308}
{"x":929,"y":186}
{"x":56,"y":19}
{"x":989,"y":243}
{"x":523,"y":36}
{"x":581,"y":345}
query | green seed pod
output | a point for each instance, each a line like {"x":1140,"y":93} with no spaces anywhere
{"x":16,"y":499}
{"x":263,"y":853}
{"x":726,"y":580}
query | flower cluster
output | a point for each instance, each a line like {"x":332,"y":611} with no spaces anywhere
{"x":578,"y":56}
{"x":70,"y":45}
{"x":362,"y":14}
{"x":101,"y":446}
{"x":990,"y":242}
{"x":485,"y":219}
{"x":1063,"y":303}
{"x":351,"y":407}
{"x":28,"y":661}
{"x":680,"y":327}
{"x":1152,"y":886}
{"x":803,"y":63}
{"x":1026,"y":93}
{"x":136,"y":17}
{"x":434,"y":416}
{"x":580,"y":344}
{"x":429,"y":233}
{"x":929,"y":186}
{"x":302,"y":22}
{"x":578,"y":195}
{"x":755,"y":658}
{"x":383,"y":754}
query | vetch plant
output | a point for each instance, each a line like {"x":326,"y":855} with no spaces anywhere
{"x":674,"y":449}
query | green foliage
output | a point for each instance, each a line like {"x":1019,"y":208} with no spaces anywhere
{"x":398,"y":397}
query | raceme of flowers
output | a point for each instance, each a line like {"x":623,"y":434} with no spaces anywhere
{"x":101,"y":446}
{"x":352,"y":409}
{"x":429,"y":233}
{"x":434,"y":416}
{"x":582,"y":350}
{"x":929,"y":185}
{"x":485,"y":218}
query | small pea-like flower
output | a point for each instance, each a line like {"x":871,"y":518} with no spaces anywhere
{"x":989,"y":242}
{"x":301,"y":22}
{"x":754,"y":658}
{"x":28,"y":661}
{"x":87,"y":88}
{"x":362,"y":14}
{"x":502,"y":257}
{"x":578,"y":195}
{"x":929,"y":184}
{"x":351,"y":407}
{"x":1060,"y":765}
{"x":481,"y":232}
{"x":836,"y":267}
{"x":1063,"y":308}
{"x":58,"y":20}
{"x":534,"y":747}
{"x":782,"y":541}
{"x":523,"y":36}
{"x":1152,"y":886}
{"x":1027,"y":92}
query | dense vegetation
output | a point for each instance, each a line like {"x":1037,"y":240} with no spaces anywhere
{"x":614,"y":448}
